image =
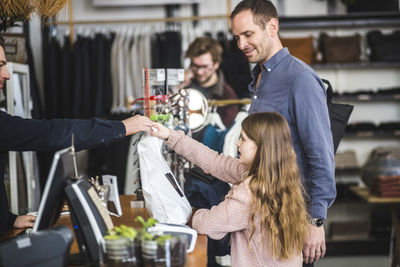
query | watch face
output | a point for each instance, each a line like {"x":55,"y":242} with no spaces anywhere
{"x":317,"y":221}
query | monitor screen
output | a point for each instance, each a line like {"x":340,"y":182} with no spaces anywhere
{"x":53,"y":197}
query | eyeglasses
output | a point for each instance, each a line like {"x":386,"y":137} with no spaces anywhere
{"x":195,"y":67}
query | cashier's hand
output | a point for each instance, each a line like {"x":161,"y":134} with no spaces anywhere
{"x":160,"y":131}
{"x":24,"y":221}
{"x":137,"y":124}
{"x":314,"y":247}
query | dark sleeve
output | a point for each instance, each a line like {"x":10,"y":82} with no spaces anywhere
{"x":228,"y":113}
{"x":18,"y":134}
{"x":11,"y":220}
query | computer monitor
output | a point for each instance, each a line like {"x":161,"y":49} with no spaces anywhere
{"x":90,"y":219}
{"x":62,"y":168}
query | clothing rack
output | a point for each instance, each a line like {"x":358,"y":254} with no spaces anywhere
{"x":71,"y":22}
{"x":150,"y":20}
{"x":227,"y":102}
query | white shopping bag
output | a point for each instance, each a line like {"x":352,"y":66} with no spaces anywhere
{"x":163,"y":196}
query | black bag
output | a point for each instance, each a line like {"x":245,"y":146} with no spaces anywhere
{"x":384,"y":47}
{"x":339,"y":115}
{"x":198,"y":173}
{"x":356,"y":6}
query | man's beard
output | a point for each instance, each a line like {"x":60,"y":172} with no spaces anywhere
{"x":206,"y":80}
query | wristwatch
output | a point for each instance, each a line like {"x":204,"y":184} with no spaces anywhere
{"x":317,"y":222}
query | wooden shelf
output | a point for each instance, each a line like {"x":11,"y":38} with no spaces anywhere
{"x":363,"y":192}
{"x":353,"y":170}
{"x":358,"y":247}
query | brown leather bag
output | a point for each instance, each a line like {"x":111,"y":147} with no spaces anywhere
{"x":14,"y":47}
{"x":302,"y":48}
{"x":340,"y":49}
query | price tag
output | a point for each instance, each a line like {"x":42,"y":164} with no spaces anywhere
{"x":160,"y":75}
{"x":365,"y":133}
{"x":364,"y":97}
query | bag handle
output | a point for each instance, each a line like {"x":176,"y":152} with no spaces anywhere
{"x":329,"y":91}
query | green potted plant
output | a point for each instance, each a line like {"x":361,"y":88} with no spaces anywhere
{"x":160,"y":250}
{"x":120,"y":247}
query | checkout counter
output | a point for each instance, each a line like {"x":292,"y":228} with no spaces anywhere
{"x":197,"y":258}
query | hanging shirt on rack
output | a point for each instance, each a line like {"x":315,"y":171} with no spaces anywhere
{"x":232,"y":136}
{"x":235,"y":67}
{"x":66,"y":81}
{"x":77,"y":100}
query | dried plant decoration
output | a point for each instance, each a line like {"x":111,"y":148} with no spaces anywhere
{"x":14,"y":10}
{"x":49,"y":8}
{"x":17,"y":9}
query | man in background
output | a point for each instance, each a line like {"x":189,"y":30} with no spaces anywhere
{"x":284,"y":84}
{"x":205,"y":56}
{"x":18,"y":134}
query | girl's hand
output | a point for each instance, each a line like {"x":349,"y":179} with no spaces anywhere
{"x":159,"y":130}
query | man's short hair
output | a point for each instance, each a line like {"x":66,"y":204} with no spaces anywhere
{"x":262,"y":11}
{"x":2,"y":42}
{"x":204,"y":45}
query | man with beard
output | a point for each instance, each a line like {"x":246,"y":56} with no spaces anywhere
{"x":204,"y":75}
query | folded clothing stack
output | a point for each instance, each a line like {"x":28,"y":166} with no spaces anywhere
{"x":386,"y":186}
{"x":346,"y":160}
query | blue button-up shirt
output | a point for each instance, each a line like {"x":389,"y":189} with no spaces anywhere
{"x":290,"y":87}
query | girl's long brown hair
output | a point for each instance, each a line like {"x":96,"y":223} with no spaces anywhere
{"x":277,"y":205}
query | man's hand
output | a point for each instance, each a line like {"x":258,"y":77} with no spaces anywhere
{"x":24,"y":221}
{"x":314,"y":247}
{"x":137,"y":124}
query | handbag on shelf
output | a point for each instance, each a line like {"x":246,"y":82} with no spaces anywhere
{"x":357,"y":6}
{"x":339,"y":115}
{"x":14,"y":47}
{"x":302,"y":48}
{"x":384,"y":47}
{"x":340,"y":49}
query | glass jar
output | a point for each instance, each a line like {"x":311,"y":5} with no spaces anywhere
{"x":166,"y":253}
{"x":120,"y":252}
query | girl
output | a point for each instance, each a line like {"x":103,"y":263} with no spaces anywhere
{"x":265,"y":210}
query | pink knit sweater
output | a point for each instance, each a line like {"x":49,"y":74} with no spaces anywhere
{"x":231,"y":215}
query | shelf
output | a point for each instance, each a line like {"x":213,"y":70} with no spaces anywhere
{"x":373,"y":134}
{"x":344,"y":195}
{"x":349,"y":171}
{"x":355,"y":65}
{"x":358,"y":247}
{"x":367,"y":97}
{"x":377,"y":19}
